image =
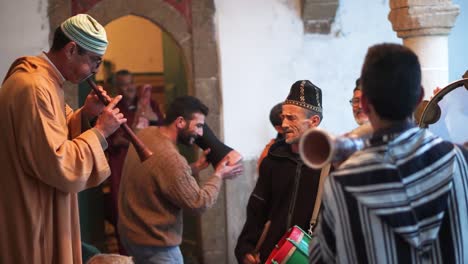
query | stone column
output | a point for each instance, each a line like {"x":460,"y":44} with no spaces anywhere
{"x":424,"y":26}
{"x":213,"y":225}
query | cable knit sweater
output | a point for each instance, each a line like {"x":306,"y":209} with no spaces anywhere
{"x":153,"y":193}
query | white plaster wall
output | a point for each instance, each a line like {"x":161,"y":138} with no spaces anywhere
{"x":263,"y":50}
{"x":24,"y":27}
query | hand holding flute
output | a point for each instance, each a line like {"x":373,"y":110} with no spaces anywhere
{"x":111,"y":118}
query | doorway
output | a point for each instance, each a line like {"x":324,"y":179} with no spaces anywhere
{"x":152,"y":57}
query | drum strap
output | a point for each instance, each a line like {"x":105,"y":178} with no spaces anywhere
{"x":318,"y":199}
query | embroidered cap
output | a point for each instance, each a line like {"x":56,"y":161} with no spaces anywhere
{"x":86,"y":32}
{"x":306,"y":95}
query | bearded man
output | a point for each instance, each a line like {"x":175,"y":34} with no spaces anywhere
{"x":154,"y":193}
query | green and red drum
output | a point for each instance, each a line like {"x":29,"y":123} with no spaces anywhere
{"x":293,"y":248}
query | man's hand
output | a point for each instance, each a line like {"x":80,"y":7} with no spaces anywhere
{"x":93,"y":106}
{"x":110,"y":118}
{"x":251,"y":258}
{"x":201,"y":163}
{"x":234,"y":157}
{"x":225,"y":171}
{"x":435,"y":91}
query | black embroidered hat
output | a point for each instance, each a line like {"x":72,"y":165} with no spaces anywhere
{"x":306,"y":95}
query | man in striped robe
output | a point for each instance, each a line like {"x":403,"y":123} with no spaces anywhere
{"x":404,"y":198}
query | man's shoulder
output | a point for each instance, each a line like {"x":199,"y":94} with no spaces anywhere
{"x":28,"y":72}
{"x":414,"y":143}
{"x":23,"y":86}
{"x":270,"y":161}
{"x":281,"y":162}
{"x":279,"y":150}
{"x":358,"y":161}
{"x":28,"y":64}
{"x":464,"y":151}
{"x":162,"y":146}
{"x":153,"y":137}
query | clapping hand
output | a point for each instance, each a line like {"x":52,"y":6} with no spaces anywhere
{"x":201,"y":163}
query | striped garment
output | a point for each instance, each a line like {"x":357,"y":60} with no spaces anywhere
{"x":404,"y":201}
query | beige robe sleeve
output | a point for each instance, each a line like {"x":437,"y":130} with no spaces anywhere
{"x":77,"y":125}
{"x":53,"y":153}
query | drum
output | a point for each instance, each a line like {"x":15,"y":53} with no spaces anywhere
{"x":293,"y":248}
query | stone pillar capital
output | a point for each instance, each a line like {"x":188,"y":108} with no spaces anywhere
{"x":412,"y":18}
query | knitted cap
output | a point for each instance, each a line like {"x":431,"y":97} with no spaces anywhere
{"x":86,"y":32}
{"x":306,"y":95}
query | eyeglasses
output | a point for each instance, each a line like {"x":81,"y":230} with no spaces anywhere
{"x":355,"y":101}
{"x":93,"y":60}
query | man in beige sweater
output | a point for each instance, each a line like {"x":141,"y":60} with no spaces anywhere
{"x":154,"y":193}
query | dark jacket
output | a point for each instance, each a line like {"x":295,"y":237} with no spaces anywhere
{"x":281,"y":175}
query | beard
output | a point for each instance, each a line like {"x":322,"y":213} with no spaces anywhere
{"x":360,"y":117}
{"x":359,"y":120}
{"x":291,"y":138}
{"x":185,"y":138}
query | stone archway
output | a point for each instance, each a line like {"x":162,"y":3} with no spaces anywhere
{"x":196,"y":38}
{"x":197,"y":41}
{"x":157,"y":11}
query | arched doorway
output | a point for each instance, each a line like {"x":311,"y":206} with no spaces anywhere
{"x":198,"y":44}
{"x":152,"y":57}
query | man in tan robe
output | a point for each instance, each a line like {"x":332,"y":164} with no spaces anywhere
{"x":48,"y":153}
